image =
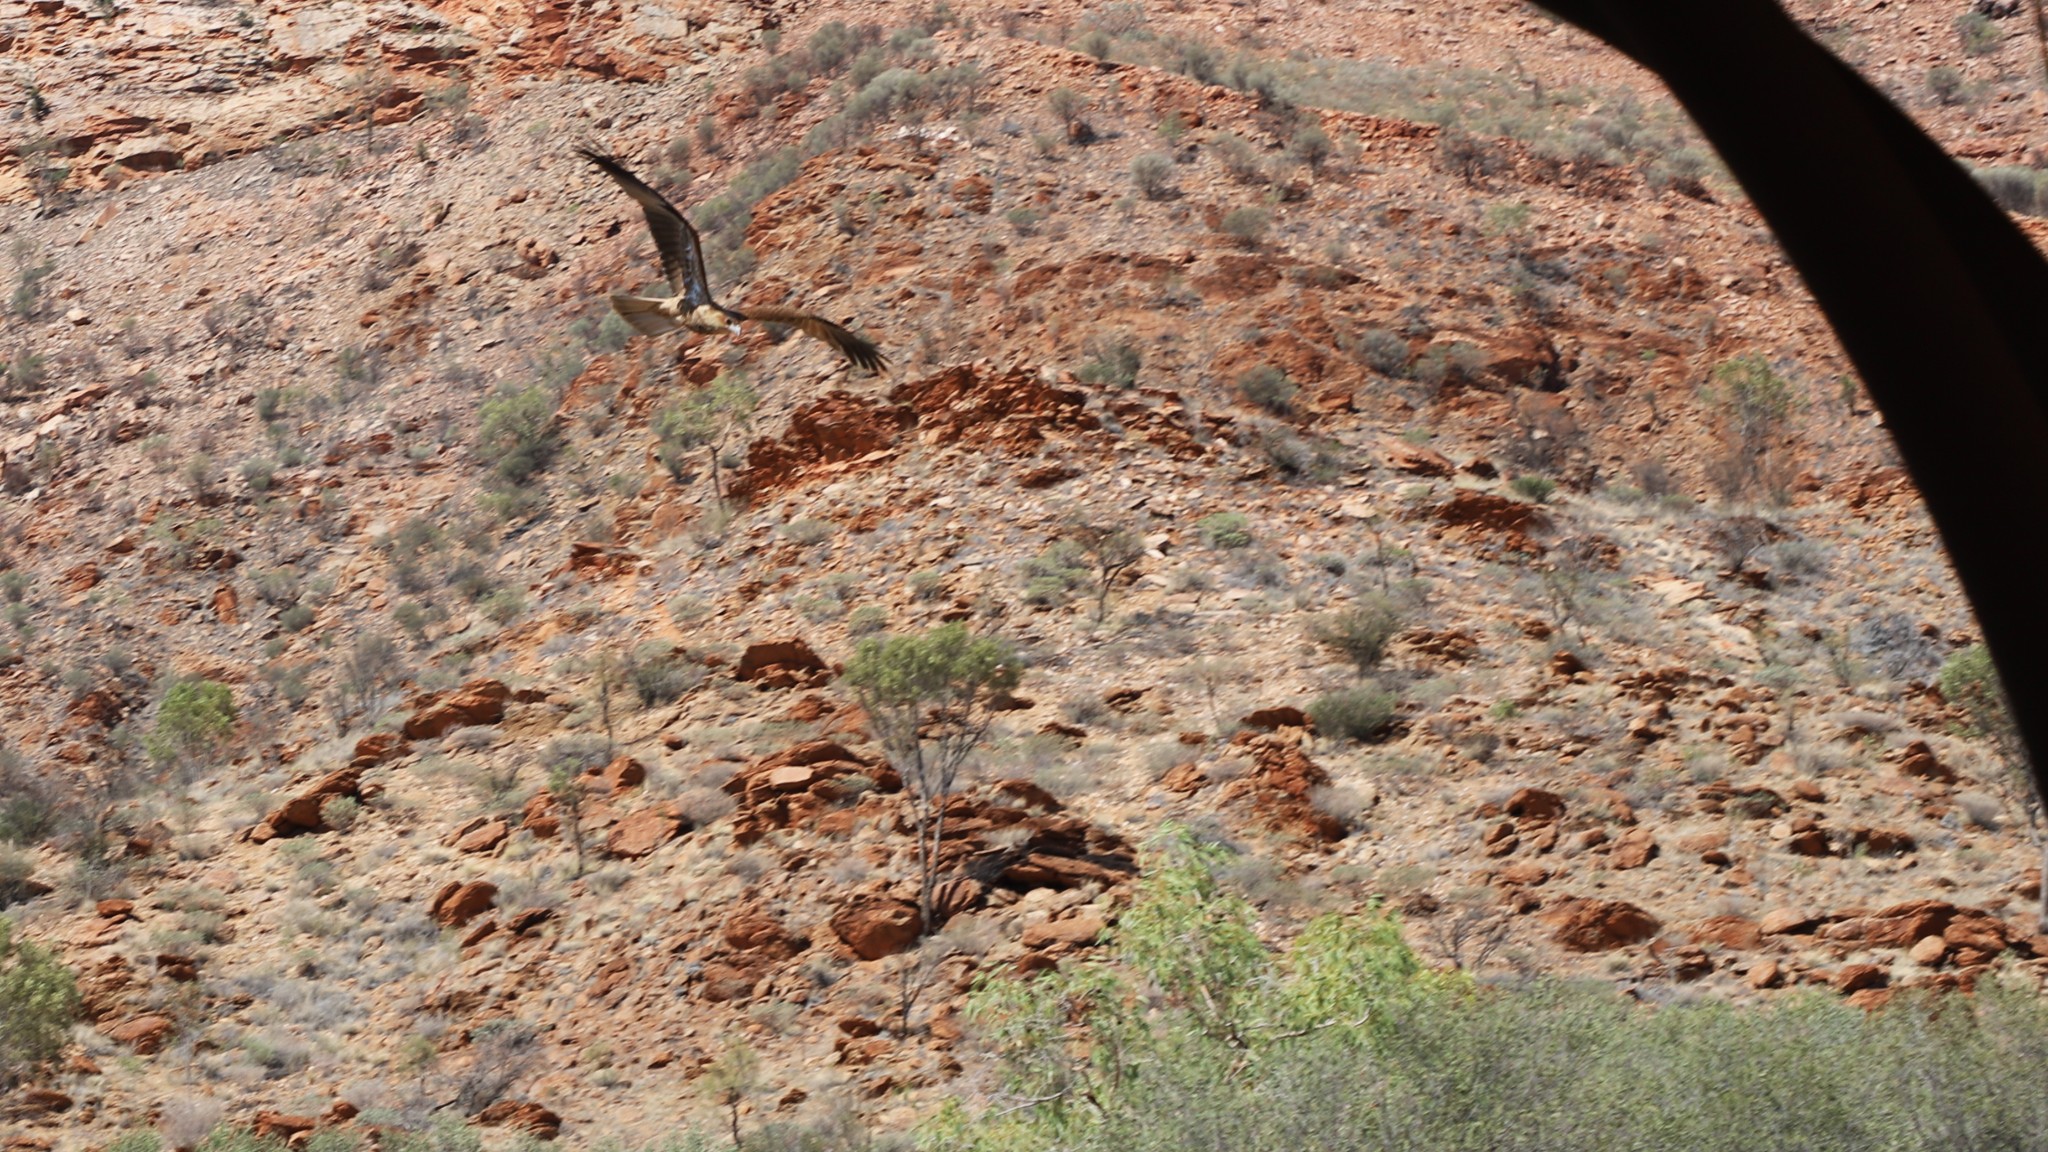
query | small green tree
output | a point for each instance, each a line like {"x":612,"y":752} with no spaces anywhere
{"x":567,"y":793}
{"x":1753,"y":405}
{"x":707,"y":419}
{"x":1111,"y":550}
{"x":930,"y":698}
{"x":195,"y":720}
{"x":729,"y":1080}
{"x":38,"y":1002}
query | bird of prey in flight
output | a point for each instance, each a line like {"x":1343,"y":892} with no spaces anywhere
{"x":682,"y":262}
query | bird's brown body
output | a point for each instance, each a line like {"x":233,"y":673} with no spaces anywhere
{"x":692,"y":307}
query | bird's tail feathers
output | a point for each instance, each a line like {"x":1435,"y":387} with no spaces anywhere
{"x":644,"y":314}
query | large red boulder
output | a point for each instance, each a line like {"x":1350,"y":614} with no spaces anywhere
{"x":458,"y":903}
{"x":1602,"y":925}
{"x":477,"y":702}
{"x":877,"y":926}
{"x":642,"y":832}
{"x":144,"y":1034}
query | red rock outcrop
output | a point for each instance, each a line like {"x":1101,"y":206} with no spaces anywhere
{"x":836,"y":434}
{"x":523,"y":1116}
{"x":975,"y":404}
{"x":303,"y":813}
{"x":477,"y":702}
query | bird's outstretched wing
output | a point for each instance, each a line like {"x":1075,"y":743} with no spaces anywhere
{"x":682,"y":256}
{"x":862,"y":352}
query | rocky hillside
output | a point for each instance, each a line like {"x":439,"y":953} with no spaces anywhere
{"x":1392,"y":446}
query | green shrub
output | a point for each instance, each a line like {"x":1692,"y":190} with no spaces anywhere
{"x":1384,"y":351}
{"x":1310,"y":145}
{"x":1979,"y":34}
{"x":658,"y":674}
{"x":1534,"y":487}
{"x":196,"y":718}
{"x":1112,"y":362}
{"x":1298,"y":460}
{"x":1945,"y":82}
{"x":830,"y":45}
{"x":1225,"y":530}
{"x":1240,"y":159}
{"x":2014,"y":189}
{"x":1246,"y":225}
{"x":1359,"y":713}
{"x":867,"y":620}
{"x":1185,"y":1031}
{"x":1969,"y":681}
{"x":29,"y":801}
{"x":1267,"y":387}
{"x":38,"y":1002}
{"x":516,"y":432}
{"x":1055,"y":575}
{"x":929,"y":700}
{"x":1152,"y":173}
{"x":1442,"y":364}
{"x":1359,"y":633}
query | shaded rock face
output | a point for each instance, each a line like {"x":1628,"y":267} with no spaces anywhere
{"x":782,"y":664}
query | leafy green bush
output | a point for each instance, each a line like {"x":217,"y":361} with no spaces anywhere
{"x":1055,"y":575}
{"x":1187,"y":1032}
{"x":1979,"y":34}
{"x":1442,"y":364}
{"x":1384,"y":351}
{"x":2015,"y":189}
{"x":1537,"y":488}
{"x":38,"y":1002}
{"x":1358,"y":713}
{"x":1267,"y":387}
{"x":1112,"y":361}
{"x":658,"y":675}
{"x":1945,"y":83}
{"x":31,"y":806}
{"x":196,"y":718}
{"x":1311,"y":145}
{"x":1246,"y":225}
{"x":1225,"y":530}
{"x":1358,"y":633}
{"x":516,"y":432}
{"x":1152,"y":172}
{"x":707,"y":418}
